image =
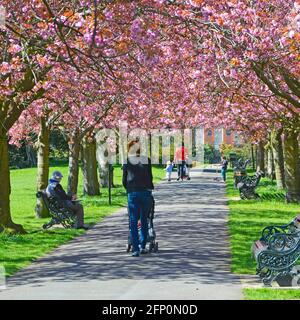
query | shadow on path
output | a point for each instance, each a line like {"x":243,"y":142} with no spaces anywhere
{"x":190,"y":222}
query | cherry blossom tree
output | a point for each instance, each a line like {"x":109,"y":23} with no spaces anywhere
{"x":173,"y":63}
{"x":246,"y":42}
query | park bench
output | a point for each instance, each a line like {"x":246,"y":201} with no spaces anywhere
{"x":277,"y":252}
{"x":247,"y":186}
{"x":239,"y":171}
{"x":59,"y":213}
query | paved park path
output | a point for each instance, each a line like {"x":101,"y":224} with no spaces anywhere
{"x":193,"y":261}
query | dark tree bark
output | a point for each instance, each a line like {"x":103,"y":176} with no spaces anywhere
{"x":10,"y":113}
{"x":89,"y":167}
{"x":291,"y":165}
{"x":6,"y":222}
{"x":277,"y":148}
{"x":261,"y":157}
{"x":42,"y":166}
{"x":253,"y":157}
{"x":74,"y":149}
{"x":270,"y":164}
{"x":31,"y":156}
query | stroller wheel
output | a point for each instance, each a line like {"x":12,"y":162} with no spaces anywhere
{"x":243,"y":197}
{"x":151,"y":246}
{"x":156,"y":247}
{"x":46,"y":226}
{"x":128,"y":248}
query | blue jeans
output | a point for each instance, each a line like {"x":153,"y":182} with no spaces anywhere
{"x":139,"y":205}
{"x":181,"y":169}
{"x":223,"y":172}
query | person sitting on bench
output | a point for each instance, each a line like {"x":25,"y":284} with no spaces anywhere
{"x":54,"y":189}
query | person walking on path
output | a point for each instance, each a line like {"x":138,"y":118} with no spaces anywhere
{"x":169,"y":169}
{"x":180,"y":160}
{"x":138,"y":182}
{"x":224,"y":165}
{"x":55,"y":189}
{"x":189,"y":165}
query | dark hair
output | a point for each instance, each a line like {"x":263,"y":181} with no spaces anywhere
{"x":132,"y":143}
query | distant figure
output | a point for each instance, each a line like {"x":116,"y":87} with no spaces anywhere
{"x":189,"y":164}
{"x":224,"y":165}
{"x":55,"y":189}
{"x":169,"y":169}
{"x":180,"y":160}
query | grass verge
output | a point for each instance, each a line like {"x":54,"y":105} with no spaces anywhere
{"x":247,"y":218}
{"x":20,"y":250}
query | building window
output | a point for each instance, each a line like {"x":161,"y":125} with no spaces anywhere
{"x":228,"y":132}
{"x":209,"y":133}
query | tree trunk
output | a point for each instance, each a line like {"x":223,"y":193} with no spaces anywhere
{"x":122,"y":150}
{"x":270,"y":164}
{"x":74,"y":149}
{"x":89,"y":165}
{"x":122,"y":154}
{"x":42,"y":166}
{"x":291,"y":165}
{"x":31,"y":156}
{"x":6,"y":222}
{"x":276,"y":144}
{"x":260,"y":157}
{"x":102,"y":159}
{"x":253,"y":157}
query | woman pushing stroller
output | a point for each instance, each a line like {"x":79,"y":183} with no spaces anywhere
{"x":138,"y":182}
{"x":183,"y":163}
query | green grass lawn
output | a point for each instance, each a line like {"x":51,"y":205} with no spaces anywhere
{"x":246,"y":220}
{"x":19,"y":250}
{"x":271,"y":294}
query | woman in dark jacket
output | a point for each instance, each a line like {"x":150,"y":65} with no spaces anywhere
{"x":138,"y":182}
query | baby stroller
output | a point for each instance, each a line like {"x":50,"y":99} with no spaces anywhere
{"x":153,"y":245}
{"x":183,"y":171}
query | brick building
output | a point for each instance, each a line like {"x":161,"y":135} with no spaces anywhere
{"x":218,"y":136}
